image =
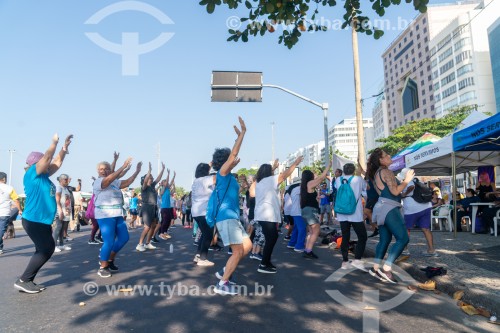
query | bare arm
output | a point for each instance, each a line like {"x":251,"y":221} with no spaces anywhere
{"x":230,"y":163}
{"x":79,"y":186}
{"x":411,"y":188}
{"x":112,"y":177}
{"x":252,"y":190}
{"x":157,"y":180}
{"x":115,"y":159}
{"x":288,"y":172}
{"x":144,"y":185}
{"x":390,"y":180}
{"x":128,"y":182}
{"x":172,"y":183}
{"x":311,"y":185}
{"x":57,"y":162}
{"x":43,"y":164}
{"x":60,"y":211}
{"x":124,"y":171}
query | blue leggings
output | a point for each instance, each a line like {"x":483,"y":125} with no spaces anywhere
{"x":299,"y":233}
{"x":114,"y":233}
{"x":394,"y":224}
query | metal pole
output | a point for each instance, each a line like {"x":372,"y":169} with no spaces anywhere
{"x":325,"y":119}
{"x":11,"y":151}
{"x":158,"y":155}
{"x":272,"y":138}
{"x":453,"y":191}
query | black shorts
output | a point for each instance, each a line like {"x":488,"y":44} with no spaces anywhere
{"x":289,"y":219}
{"x":149,"y":214}
{"x":133,"y":211}
{"x":370,"y":203}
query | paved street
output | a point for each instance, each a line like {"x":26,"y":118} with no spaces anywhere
{"x":298,"y":301}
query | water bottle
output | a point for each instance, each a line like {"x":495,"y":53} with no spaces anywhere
{"x":171,"y":248}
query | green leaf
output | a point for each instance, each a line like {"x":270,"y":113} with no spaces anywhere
{"x":210,"y":8}
{"x":248,"y":4}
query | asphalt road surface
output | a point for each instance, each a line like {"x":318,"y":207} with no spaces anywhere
{"x":170,"y":294}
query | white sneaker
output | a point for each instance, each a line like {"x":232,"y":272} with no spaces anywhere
{"x":359,"y":265}
{"x":68,"y":239}
{"x":196,"y":258}
{"x":57,"y":249}
{"x":140,"y":248}
{"x":149,"y":246}
{"x":205,"y":263}
{"x":65,"y":247}
{"x":346,"y":265}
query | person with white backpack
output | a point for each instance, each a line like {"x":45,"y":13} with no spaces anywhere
{"x":349,"y":208}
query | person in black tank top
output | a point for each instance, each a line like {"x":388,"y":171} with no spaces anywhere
{"x":310,"y":206}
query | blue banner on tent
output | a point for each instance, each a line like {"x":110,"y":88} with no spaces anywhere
{"x":483,"y":136}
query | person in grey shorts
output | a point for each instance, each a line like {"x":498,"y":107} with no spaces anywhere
{"x":223,"y":210}
{"x":310,"y":207}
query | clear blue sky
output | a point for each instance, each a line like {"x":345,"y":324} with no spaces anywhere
{"x":54,"y":79}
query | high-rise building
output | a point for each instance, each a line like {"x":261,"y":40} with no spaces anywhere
{"x":494,"y":39}
{"x":461,"y":63}
{"x":311,"y":154}
{"x":344,"y":137}
{"x":380,"y":120}
{"x":407,"y":68}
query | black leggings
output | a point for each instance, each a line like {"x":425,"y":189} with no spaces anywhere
{"x":270,"y":230}
{"x":360,"y":230}
{"x":187,"y":216}
{"x":41,"y":235}
{"x":207,"y":234}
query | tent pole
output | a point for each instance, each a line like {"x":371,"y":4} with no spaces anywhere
{"x":453,"y":192}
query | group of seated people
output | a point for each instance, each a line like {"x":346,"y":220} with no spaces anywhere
{"x":484,"y":193}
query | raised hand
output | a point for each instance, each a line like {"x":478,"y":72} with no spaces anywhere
{"x":55,"y":138}
{"x":139,"y":167}
{"x":299,"y":160}
{"x":127,"y":162}
{"x":409,"y":176}
{"x":168,"y":171}
{"x":150,"y":167}
{"x":116,"y":156}
{"x":242,"y":125}
{"x":67,"y":142}
{"x":276,"y":164}
{"x":162,"y":166}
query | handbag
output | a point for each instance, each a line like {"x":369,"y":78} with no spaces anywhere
{"x":90,"y":212}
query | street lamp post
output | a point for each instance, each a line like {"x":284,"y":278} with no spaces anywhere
{"x":247,"y":87}
{"x":272,"y":138}
{"x":11,"y":152}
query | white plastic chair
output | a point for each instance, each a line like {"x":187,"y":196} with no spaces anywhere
{"x":443,"y":215}
{"x":496,"y":219}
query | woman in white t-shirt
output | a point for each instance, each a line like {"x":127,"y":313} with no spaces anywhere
{"x":108,"y":212}
{"x":201,"y":191}
{"x":268,"y":208}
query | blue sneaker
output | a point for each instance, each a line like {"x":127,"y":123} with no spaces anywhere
{"x":220,"y":274}
{"x":225,"y":289}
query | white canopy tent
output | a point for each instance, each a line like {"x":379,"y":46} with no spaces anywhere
{"x":437,"y":159}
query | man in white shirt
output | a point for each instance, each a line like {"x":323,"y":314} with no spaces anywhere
{"x":355,"y":219}
{"x":8,"y":197}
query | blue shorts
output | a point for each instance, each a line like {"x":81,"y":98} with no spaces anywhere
{"x":421,"y":219}
{"x":310,"y":215}
{"x":231,"y":232}
{"x":133,"y":211}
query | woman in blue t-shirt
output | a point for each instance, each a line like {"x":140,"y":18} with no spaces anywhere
{"x":224,"y":211}
{"x":40,"y":209}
